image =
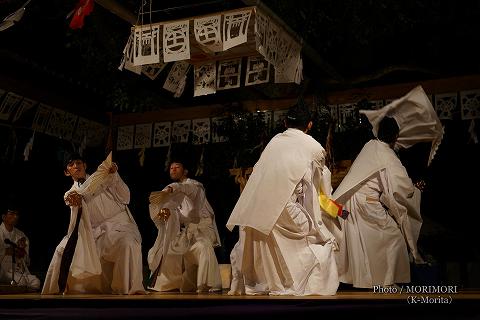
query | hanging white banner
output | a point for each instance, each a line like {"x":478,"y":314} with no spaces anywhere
{"x":204,"y":79}
{"x":146,"y":44}
{"x":161,"y":134}
{"x":176,"y":42}
{"x":235,"y":28}
{"x":229,"y":74}
{"x":207,"y":33}
{"x":143,"y":135}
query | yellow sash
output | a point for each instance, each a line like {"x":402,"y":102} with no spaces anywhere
{"x":329,"y":206}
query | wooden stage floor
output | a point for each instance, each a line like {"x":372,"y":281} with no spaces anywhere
{"x":358,"y":304}
{"x":341,"y":295}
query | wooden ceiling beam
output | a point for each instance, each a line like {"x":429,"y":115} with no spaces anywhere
{"x":118,"y":10}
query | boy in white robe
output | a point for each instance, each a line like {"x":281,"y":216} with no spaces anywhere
{"x":284,"y":247}
{"x":107,"y":256}
{"x":15,"y":242}
{"x":183,"y":256}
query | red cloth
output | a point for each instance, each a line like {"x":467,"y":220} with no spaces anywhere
{"x":82,"y":9}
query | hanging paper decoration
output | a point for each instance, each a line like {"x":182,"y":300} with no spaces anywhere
{"x":201,"y":164}
{"x":176,"y":42}
{"x":175,"y":76}
{"x":261,"y":27}
{"x":128,"y":54}
{"x":235,"y":28}
{"x":201,"y":131}
{"x":28,"y":147}
{"x":470,"y":102}
{"x":143,"y":135}
{"x":82,"y":9}
{"x":24,"y":106}
{"x":218,"y":128}
{"x":97,"y":134}
{"x":287,"y":58}
{"x":290,"y":72}
{"x":124,"y":54}
{"x":258,"y":71}
{"x":281,"y":77}
{"x":125,"y":138}
{"x":204,"y":79}
{"x":473,"y":132}
{"x":207,"y":33}
{"x":146,"y":45}
{"x":8,"y":105}
{"x":61,"y":124}
{"x":299,"y":71}
{"x":141,"y":157}
{"x":445,"y":105}
{"x":181,"y":131}
{"x":229,"y":74}
{"x":41,"y":117}
{"x":13,"y":18}
{"x":161,"y":134}
{"x":181,"y":85}
{"x":271,"y":41}
{"x":215,"y":34}
{"x":153,"y":70}
{"x":279,"y":49}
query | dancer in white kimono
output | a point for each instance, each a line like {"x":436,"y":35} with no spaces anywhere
{"x":14,"y":243}
{"x":102,"y":250}
{"x":284,"y":246}
{"x":380,"y":235}
{"x":183,"y":257}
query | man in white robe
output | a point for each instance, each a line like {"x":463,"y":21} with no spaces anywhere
{"x":284,"y":246}
{"x":15,"y":242}
{"x":374,"y":250}
{"x":107,"y":256}
{"x":183,"y":256}
{"x":380,"y":235}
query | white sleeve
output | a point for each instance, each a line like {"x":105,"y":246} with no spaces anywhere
{"x":118,"y":188}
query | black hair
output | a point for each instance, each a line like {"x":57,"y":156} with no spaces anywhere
{"x":12,"y":210}
{"x":299,"y":115}
{"x":71,"y":157}
{"x":388,"y":130}
{"x":184,"y":161}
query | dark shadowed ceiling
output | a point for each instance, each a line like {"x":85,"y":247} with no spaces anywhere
{"x":347,"y":44}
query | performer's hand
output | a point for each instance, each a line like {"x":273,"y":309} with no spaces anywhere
{"x":74,"y":199}
{"x":164,"y":214}
{"x":421,"y":184}
{"x":344,"y":214}
{"x":113,"y":168}
{"x":170,"y":189}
